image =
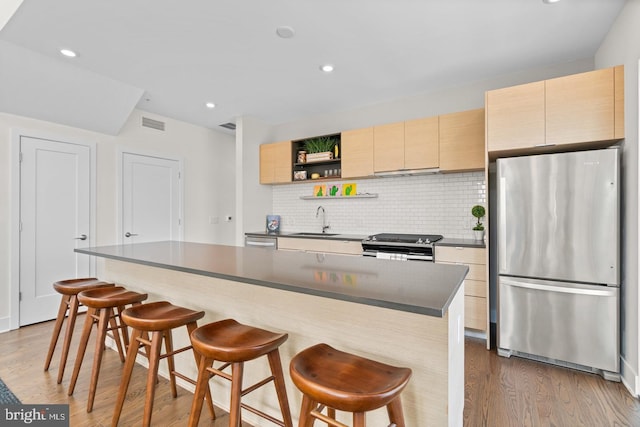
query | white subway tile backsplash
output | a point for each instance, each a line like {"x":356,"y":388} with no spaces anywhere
{"x":429,"y":204}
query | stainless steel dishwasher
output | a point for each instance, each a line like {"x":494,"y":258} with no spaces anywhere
{"x":264,"y":242}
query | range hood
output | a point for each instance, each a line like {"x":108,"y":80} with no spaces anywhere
{"x":408,"y":172}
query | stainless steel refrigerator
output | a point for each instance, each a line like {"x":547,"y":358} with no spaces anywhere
{"x":559,"y":259}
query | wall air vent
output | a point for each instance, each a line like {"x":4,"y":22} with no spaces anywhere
{"x":153,"y":124}
{"x":231,"y":126}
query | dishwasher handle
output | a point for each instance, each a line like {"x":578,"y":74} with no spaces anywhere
{"x":252,"y":243}
{"x":604,"y":291}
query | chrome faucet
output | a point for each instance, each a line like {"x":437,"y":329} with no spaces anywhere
{"x":325,"y":226}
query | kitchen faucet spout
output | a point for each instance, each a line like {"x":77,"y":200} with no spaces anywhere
{"x":325,"y":226}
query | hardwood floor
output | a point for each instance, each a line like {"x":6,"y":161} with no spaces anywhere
{"x":498,"y":391}
{"x":519,"y":392}
{"x":22,"y":354}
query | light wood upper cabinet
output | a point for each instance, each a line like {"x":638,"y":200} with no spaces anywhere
{"x":276,"y":166}
{"x":618,"y":76}
{"x":388,"y":147}
{"x":580,"y":108}
{"x":462,"y":145}
{"x":515,"y":117}
{"x":406,"y":145}
{"x":357,"y":153}
{"x":421,"y":144}
{"x":585,"y":109}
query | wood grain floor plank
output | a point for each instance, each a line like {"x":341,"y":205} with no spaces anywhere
{"x":519,"y":392}
{"x":22,"y":354}
{"x":499,"y":392}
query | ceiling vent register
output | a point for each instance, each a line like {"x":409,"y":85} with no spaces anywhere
{"x":153,"y":124}
{"x":229,"y":125}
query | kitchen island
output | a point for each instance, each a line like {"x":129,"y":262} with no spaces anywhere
{"x":403,"y":313}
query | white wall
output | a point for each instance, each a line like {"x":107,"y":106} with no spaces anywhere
{"x":253,"y":200}
{"x":622,"y":46}
{"x":208,"y":179}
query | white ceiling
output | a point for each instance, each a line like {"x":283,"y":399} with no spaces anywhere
{"x":170,"y":57}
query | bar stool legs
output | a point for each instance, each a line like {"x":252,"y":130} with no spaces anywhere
{"x":104,"y":307}
{"x":159,"y":319}
{"x":233,"y":344}
{"x":68,"y":304}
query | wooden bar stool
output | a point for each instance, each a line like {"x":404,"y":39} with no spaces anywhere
{"x":341,"y":381}
{"x":68,"y":305}
{"x":233,"y":343}
{"x":159,"y":318}
{"x":105,"y":306}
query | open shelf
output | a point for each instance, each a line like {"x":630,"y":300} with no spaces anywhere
{"x":357,"y":196}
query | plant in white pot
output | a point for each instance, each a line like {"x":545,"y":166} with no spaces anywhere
{"x":478,"y":230}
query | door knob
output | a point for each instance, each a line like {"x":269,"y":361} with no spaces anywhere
{"x":127,"y":234}
{"x":82,"y":237}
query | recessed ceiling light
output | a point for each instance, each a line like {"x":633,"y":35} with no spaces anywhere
{"x":210,"y":105}
{"x":550,"y":1}
{"x":285,"y":32}
{"x":327,"y":68}
{"x":67,"y":52}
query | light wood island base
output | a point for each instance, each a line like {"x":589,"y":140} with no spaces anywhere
{"x":433,"y":347}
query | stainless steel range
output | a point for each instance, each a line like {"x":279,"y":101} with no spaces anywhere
{"x":402,"y":247}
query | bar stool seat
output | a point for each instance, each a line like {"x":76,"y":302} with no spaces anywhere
{"x":233,"y":343}
{"x":159,"y":318}
{"x":105,"y":306}
{"x":69,"y":304}
{"x":341,"y":381}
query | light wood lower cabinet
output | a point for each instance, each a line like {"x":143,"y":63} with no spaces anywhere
{"x":343,"y":247}
{"x":476,"y":292}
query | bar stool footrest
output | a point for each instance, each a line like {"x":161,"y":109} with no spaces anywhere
{"x":263,"y":415}
{"x":316,"y":413}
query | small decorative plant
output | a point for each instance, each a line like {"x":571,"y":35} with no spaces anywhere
{"x":478,"y":212}
{"x":320,"y":144}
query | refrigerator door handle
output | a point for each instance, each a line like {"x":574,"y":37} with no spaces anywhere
{"x":605,"y":291}
{"x":502,"y":226}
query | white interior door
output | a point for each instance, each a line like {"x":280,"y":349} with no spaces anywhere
{"x":55,"y":218}
{"x":151,"y":199}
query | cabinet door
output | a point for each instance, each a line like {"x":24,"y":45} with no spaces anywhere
{"x":421,"y":146}
{"x":357,"y":153}
{"x":515,"y":117}
{"x":275,"y":163}
{"x":618,"y":74}
{"x":462,"y":141}
{"x":388,"y":147}
{"x":580,"y":108}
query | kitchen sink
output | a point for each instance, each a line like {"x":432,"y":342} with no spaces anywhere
{"x":314,"y":234}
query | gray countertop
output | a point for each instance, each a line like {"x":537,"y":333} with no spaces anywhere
{"x":468,"y":243}
{"x":417,"y":287}
{"x":301,"y":235}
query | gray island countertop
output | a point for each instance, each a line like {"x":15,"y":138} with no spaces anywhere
{"x":417,"y":287}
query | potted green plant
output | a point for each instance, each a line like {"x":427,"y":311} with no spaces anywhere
{"x":478,"y":230}
{"x":320,"y":148}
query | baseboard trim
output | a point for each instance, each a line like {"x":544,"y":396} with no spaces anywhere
{"x":5,"y":324}
{"x":629,"y":378}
